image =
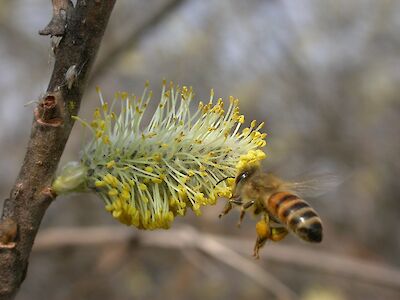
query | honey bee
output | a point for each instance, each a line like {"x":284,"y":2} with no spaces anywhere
{"x":281,"y":208}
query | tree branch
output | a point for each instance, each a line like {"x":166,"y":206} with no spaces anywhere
{"x":31,"y":194}
{"x":184,"y":238}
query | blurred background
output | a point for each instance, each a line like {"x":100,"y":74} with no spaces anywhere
{"x":323,"y":75}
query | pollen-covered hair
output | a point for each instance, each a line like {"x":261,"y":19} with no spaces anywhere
{"x":147,"y":176}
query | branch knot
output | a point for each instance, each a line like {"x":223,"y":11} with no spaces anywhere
{"x":61,"y":12}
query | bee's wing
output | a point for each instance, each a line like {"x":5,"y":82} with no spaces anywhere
{"x":315,"y":186}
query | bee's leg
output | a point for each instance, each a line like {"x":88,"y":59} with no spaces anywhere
{"x":263,"y":234}
{"x":237,"y":201}
{"x":228,"y":206}
{"x":278,"y":233}
{"x":243,"y":211}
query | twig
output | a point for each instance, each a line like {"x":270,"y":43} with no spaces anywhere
{"x":31,"y":195}
{"x":346,"y":267}
{"x":180,"y":238}
{"x":61,"y":11}
{"x":338,"y":265}
{"x":202,"y":262}
{"x":133,"y":38}
{"x":244,"y":265}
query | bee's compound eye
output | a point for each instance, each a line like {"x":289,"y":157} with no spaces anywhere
{"x":241,"y":176}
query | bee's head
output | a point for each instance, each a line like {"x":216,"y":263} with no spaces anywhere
{"x":241,"y":179}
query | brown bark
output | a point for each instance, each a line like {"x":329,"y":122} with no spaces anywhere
{"x":52,"y":124}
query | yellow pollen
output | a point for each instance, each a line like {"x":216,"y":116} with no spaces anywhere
{"x":99,"y":133}
{"x":96,"y":114}
{"x":113,"y":192}
{"x":100,"y":183}
{"x":157,"y":157}
{"x":124,"y":95}
{"x":156,"y":180}
{"x":106,"y":140}
{"x":142,"y":187}
{"x":125,"y":195}
{"x":149,"y":169}
{"x":110,"y":164}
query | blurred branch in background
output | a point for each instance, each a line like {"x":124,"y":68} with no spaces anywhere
{"x":183,"y":239}
{"x":132,"y":38}
{"x":226,"y":250}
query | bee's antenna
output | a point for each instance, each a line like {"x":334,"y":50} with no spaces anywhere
{"x":223,"y":179}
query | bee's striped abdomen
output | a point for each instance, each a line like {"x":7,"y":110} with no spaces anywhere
{"x":296,"y":214}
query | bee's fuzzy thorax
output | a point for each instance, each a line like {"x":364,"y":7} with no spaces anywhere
{"x":147,"y":176}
